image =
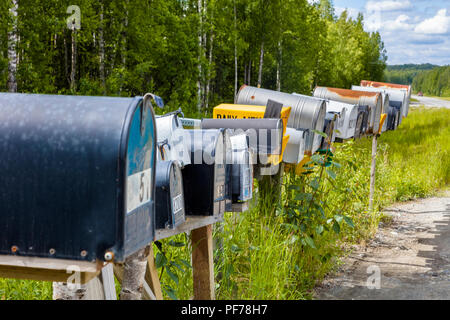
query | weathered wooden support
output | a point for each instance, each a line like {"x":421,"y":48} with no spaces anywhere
{"x":373,"y":171}
{"x":203,"y":263}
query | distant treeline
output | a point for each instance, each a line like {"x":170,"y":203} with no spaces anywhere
{"x":405,"y":73}
{"x":435,"y":82}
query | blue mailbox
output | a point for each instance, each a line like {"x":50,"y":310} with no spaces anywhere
{"x":77,"y":176}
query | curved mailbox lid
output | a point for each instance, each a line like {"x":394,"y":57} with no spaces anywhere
{"x":362,"y":98}
{"x":394,"y":86}
{"x":169,"y":195}
{"x":348,"y":118}
{"x":348,"y":114}
{"x":397,"y":97}
{"x":384,"y":95}
{"x":77,"y":175}
{"x":171,"y":144}
{"x":307,"y":112}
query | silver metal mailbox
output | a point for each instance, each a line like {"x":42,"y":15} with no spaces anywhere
{"x":242,"y":169}
{"x":170,"y":135}
{"x":397,"y":97}
{"x":397,"y":87}
{"x":362,"y":98}
{"x":299,"y":144}
{"x":306,"y":112}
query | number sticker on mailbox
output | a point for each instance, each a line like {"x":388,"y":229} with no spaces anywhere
{"x":138,"y":189}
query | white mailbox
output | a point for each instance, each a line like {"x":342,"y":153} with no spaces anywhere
{"x":299,"y":144}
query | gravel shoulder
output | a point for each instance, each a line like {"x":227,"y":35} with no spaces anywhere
{"x":410,"y":256}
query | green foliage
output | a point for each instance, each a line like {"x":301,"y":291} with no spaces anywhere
{"x":435,"y":82}
{"x":154,"y":46}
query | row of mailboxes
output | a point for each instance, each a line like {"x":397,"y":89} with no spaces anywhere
{"x":406,"y":89}
{"x":372,"y":100}
{"x":397,"y":98}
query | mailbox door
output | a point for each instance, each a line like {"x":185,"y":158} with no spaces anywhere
{"x":139,"y":229}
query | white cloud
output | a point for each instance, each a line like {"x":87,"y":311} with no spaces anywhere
{"x":388,"y":5}
{"x":401,"y":23}
{"x":439,"y":24}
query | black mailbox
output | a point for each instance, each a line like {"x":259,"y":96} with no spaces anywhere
{"x":207,"y":180}
{"x":169,"y":195}
{"x":77,"y":176}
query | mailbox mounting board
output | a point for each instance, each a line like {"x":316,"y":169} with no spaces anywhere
{"x":77,"y":176}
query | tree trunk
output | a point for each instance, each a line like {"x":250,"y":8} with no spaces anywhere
{"x":200,"y":49}
{"x":279,"y":64}
{"x":12,"y":48}
{"x":124,"y":43}
{"x":235,"y":52}
{"x":74,"y":59}
{"x":249,"y":76}
{"x":102,"y":53}
{"x":261,"y":62}
{"x":208,"y":83}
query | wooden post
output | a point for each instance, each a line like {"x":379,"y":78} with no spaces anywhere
{"x":151,"y":277}
{"x":373,"y":171}
{"x":203,"y":263}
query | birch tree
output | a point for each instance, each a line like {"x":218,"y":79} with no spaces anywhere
{"x":12,"y":48}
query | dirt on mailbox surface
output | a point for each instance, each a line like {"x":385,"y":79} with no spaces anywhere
{"x":410,"y":256}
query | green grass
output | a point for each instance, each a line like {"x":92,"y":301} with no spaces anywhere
{"x":260,"y":259}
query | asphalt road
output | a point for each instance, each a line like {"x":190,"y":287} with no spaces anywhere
{"x":431,"y":102}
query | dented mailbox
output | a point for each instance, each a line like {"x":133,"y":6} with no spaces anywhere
{"x":77,"y":176}
{"x":169,"y":195}
{"x":207,"y":180}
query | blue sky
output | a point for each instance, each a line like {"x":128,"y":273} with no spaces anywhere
{"x":413,"y":31}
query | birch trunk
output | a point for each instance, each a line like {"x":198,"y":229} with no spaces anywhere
{"x":235,"y":52}
{"x":249,"y":77}
{"x":74,"y":59}
{"x":102,"y":53}
{"x":12,"y":48}
{"x":261,"y":62}
{"x":124,"y":42}
{"x":208,"y":84}
{"x":200,"y":53}
{"x":279,"y":64}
